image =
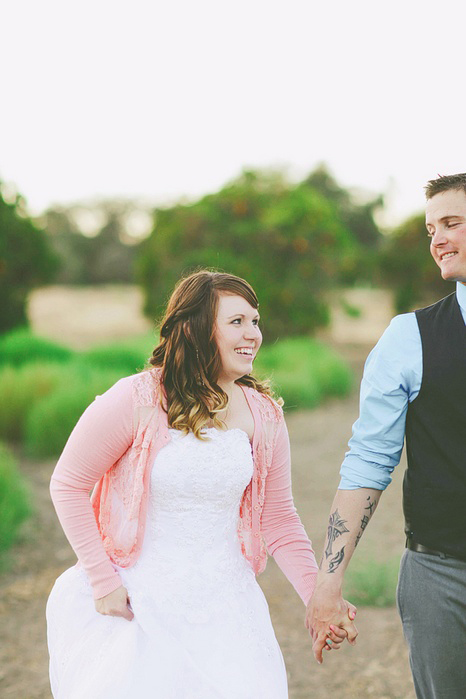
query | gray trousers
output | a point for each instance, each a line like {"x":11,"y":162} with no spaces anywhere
{"x":431,"y":598}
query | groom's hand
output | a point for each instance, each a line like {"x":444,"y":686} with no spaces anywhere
{"x":326,"y":607}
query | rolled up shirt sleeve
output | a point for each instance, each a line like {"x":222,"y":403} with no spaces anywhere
{"x":392,"y":379}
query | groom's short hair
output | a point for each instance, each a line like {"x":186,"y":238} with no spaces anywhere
{"x":444,"y":183}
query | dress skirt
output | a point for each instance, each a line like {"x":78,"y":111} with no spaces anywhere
{"x":201,"y":627}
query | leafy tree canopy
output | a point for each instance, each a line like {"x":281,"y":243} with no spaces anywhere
{"x":289,"y":241}
{"x":358,"y":217}
{"x":26,"y":260}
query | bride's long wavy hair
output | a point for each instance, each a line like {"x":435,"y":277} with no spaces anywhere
{"x":188,"y":353}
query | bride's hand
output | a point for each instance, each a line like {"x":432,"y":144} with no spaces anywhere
{"x":335,"y":636}
{"x":115,"y":604}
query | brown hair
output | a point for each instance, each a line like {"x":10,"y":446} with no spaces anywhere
{"x":444,"y":183}
{"x":188,"y":354}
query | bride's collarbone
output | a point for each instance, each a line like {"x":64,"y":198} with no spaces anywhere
{"x":237,"y":415}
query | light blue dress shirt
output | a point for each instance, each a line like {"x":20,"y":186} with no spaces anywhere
{"x":392,"y":379}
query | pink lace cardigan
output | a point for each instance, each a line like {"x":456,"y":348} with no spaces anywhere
{"x":113,"y":448}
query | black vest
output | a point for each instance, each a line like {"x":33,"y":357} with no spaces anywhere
{"x":434,"y":488}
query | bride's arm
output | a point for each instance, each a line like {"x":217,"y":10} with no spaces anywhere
{"x":103,"y":433}
{"x":283,"y":532}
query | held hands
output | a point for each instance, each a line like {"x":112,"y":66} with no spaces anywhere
{"x":334,"y":637}
{"x":329,"y":617}
{"x":115,"y":604}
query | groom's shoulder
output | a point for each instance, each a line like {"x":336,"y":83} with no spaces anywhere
{"x":401,"y":337}
{"x":400,"y":326}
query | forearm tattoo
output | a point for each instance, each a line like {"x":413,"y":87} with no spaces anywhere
{"x":365,"y":518}
{"x":337,"y":527}
{"x":336,"y":560}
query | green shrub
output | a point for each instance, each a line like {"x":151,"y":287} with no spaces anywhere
{"x":41,"y":402}
{"x":20,"y":389}
{"x":303,"y":371}
{"x":14,"y":499}
{"x":127,"y":361}
{"x":350,"y":310}
{"x":51,"y":420}
{"x":20,"y":347}
{"x":80,"y":375}
{"x":371,"y":583}
{"x":127,"y":358}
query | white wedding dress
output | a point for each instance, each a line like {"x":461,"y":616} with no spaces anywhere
{"x":201,"y":627}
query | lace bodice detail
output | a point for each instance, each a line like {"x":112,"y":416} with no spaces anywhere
{"x":191,"y":546}
{"x":201,"y":477}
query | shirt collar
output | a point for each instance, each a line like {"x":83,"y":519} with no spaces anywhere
{"x":461,"y":296}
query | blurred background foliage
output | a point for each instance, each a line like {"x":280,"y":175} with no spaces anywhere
{"x":15,"y":500}
{"x":26,"y":260}
{"x":42,"y":397}
{"x":289,"y":242}
{"x":293,"y":241}
{"x":92,"y":241}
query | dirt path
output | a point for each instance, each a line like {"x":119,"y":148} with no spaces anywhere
{"x":378,"y":666}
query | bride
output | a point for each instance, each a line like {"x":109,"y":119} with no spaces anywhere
{"x":189,"y":463}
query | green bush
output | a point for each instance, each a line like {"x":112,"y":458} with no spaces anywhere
{"x":20,"y":389}
{"x":51,"y":420}
{"x":14,"y":499}
{"x":350,"y":310}
{"x":371,"y":583}
{"x":40,"y":402}
{"x":20,"y":347}
{"x":77,"y":378}
{"x":127,"y":358}
{"x":303,"y":371}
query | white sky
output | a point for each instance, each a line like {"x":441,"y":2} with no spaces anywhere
{"x":158,"y":100}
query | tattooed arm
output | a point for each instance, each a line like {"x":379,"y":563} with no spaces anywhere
{"x":350,"y":514}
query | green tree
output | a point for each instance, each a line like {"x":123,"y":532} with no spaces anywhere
{"x":69,"y":244}
{"x":407,"y":266}
{"x":287,"y":241}
{"x":110,"y":259}
{"x":26,"y":261}
{"x":359,"y":219}
{"x":100,"y":256}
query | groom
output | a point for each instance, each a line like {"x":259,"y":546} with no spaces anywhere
{"x":414,"y":386}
